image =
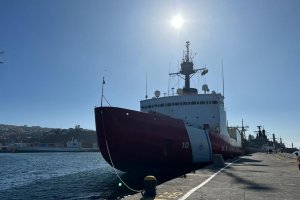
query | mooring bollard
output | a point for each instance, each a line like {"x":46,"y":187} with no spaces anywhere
{"x":150,"y":186}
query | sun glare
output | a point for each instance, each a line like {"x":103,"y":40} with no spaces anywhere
{"x":177,"y":21}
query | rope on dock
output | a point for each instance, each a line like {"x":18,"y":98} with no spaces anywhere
{"x":111,"y":158}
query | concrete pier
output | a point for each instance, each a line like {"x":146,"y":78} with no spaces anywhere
{"x":256,"y":176}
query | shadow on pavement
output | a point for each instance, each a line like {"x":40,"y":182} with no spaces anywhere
{"x":249,"y":184}
{"x":243,"y":160}
{"x":249,"y":162}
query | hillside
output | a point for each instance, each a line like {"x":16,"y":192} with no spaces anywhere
{"x":36,"y":134}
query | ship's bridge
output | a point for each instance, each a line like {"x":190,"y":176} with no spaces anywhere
{"x":205,"y":111}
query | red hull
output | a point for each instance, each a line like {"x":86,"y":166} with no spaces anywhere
{"x":147,"y":141}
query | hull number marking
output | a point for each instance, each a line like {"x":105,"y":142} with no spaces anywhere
{"x":185,"y":145}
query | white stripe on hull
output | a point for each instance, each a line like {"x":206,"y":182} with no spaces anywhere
{"x":200,"y":144}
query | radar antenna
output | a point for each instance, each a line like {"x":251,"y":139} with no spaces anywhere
{"x":187,"y":69}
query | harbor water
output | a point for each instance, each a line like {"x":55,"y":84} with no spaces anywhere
{"x":66,"y":175}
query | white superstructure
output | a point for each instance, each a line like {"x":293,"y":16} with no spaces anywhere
{"x":201,"y":111}
{"x":204,"y":111}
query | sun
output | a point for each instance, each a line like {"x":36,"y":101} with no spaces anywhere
{"x":177,"y":21}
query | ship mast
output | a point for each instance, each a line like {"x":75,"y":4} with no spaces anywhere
{"x":1,"y":53}
{"x":187,"y":69}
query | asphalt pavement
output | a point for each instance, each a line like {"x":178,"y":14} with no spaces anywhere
{"x":255,"y":176}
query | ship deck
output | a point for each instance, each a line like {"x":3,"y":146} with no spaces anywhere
{"x":255,"y":176}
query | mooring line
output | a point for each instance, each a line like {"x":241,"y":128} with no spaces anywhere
{"x":206,"y":181}
{"x":113,"y":166}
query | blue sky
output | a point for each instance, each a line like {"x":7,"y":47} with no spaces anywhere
{"x":57,"y":51}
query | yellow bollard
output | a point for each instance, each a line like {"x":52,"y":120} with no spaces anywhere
{"x":150,"y":186}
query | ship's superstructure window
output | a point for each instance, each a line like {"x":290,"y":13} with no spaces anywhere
{"x":181,"y":103}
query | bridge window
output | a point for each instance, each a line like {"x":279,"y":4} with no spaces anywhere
{"x":180,"y":103}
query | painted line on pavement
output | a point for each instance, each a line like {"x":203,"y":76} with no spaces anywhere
{"x":206,"y":181}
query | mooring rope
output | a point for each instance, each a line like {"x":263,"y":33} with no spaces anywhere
{"x":113,"y":166}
